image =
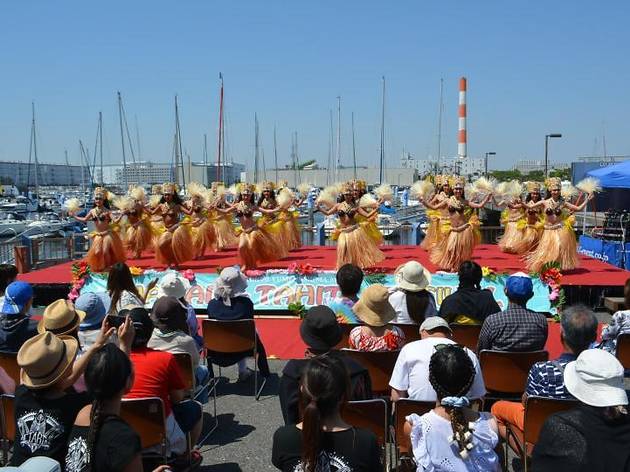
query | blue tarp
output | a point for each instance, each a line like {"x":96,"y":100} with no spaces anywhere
{"x":613,"y":176}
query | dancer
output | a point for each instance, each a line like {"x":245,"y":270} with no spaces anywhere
{"x":534,"y":220}
{"x":354,"y":246}
{"x":289,"y":218}
{"x":557,"y":242}
{"x":174,"y":245}
{"x":139,"y":235}
{"x":203,"y":232}
{"x":438,"y":219}
{"x":107,"y":247}
{"x":463,"y":235}
{"x":225,"y":235}
{"x":359,"y":189}
{"x":514,"y":223}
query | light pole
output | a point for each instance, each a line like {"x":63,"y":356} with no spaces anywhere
{"x":547,"y":136}
{"x":485,"y":174}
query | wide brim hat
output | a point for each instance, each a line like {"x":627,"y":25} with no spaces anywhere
{"x":172,"y":284}
{"x":319,"y":329}
{"x":412,"y":276}
{"x":96,"y":305}
{"x":373,"y":308}
{"x":45,"y":358}
{"x":60,"y":317}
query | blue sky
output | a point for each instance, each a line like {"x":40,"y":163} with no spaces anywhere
{"x":532,"y":67}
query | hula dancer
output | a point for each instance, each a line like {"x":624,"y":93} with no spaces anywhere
{"x":534,"y":220}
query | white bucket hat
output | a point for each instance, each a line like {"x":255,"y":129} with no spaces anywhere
{"x":172,"y":284}
{"x":596,"y":379}
{"x":412,"y":276}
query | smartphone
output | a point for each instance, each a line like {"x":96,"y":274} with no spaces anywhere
{"x":115,"y":321}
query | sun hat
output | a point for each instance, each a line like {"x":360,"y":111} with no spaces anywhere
{"x":373,"y":308}
{"x":172,"y":284}
{"x":519,"y":286}
{"x":320,"y":329}
{"x":596,"y":379}
{"x":168,"y":312}
{"x":60,"y":317}
{"x":16,"y":296}
{"x":95,"y":306}
{"x":44,"y":359}
{"x":231,"y":283}
{"x":412,"y":276}
{"x":434,"y":322}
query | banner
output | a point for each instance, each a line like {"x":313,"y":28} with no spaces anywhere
{"x":275,"y":290}
{"x":610,"y":252}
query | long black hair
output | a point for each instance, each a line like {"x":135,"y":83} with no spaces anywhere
{"x":251,"y":200}
{"x":119,"y":280}
{"x":106,"y":376}
{"x":8,"y":273}
{"x":176,"y":199}
{"x":470,"y":275}
{"x":325,"y":387}
{"x":272,"y":196}
{"x":417,"y":303}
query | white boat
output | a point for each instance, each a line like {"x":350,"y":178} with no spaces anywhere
{"x":48,"y":223}
{"x":387,"y":225}
{"x":11,"y":225}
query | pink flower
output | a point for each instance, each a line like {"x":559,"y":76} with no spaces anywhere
{"x":188,"y":274}
{"x":254,"y":273}
{"x":555,"y":293}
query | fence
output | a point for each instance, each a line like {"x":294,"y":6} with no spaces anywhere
{"x":44,"y":251}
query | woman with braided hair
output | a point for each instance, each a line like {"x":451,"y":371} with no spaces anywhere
{"x":452,"y":437}
{"x":323,"y":440}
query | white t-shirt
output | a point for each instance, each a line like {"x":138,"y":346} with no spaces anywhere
{"x":411,"y":372}
{"x":398,"y":300}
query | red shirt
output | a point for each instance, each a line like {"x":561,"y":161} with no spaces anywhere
{"x":156,"y":374}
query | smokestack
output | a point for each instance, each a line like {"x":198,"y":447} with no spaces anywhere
{"x":461,"y":136}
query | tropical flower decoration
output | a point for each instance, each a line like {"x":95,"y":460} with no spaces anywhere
{"x":488,"y":272}
{"x":254,"y":274}
{"x":80,"y":272}
{"x":297,"y":309}
{"x":301,"y":269}
{"x":552,"y":276}
{"x":136,"y":270}
{"x":189,"y":275}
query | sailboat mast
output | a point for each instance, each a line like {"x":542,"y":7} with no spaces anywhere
{"x":275,"y":152}
{"x":338,"y":160}
{"x":439,"y":147}
{"x":35,"y":155}
{"x":100,"y":142}
{"x":297,"y":161}
{"x":255,"y":148}
{"x":122,"y":142}
{"x":354,"y":151}
{"x":137,"y":137}
{"x":382,"y":156}
{"x":179,"y":154}
{"x":220,"y":129}
{"x":30,"y":152}
{"x":330,"y":147}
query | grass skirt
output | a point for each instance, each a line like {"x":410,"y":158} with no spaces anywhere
{"x":256,"y":246}
{"x":139,"y":237}
{"x":456,"y":247}
{"x":225,"y":236}
{"x":557,"y":243}
{"x":106,"y":250}
{"x":174,"y":247}
{"x":291,"y":229}
{"x":529,"y":239}
{"x":433,"y":234}
{"x":203,"y":237}
{"x":354,"y":246}
{"x":512,"y":236}
{"x":371,"y":228}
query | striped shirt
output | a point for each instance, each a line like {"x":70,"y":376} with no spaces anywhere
{"x":546,"y":379}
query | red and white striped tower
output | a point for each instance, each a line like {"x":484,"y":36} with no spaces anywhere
{"x":461,"y":135}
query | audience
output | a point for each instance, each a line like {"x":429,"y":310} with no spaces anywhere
{"x":620,"y":324}
{"x":349,"y":279}
{"x":515,"y":329}
{"x":410,"y":377}
{"x":16,"y":325}
{"x":122,"y":290}
{"x":546,"y":379}
{"x":452,"y":437}
{"x":45,"y":402}
{"x":377,"y":334}
{"x":321,"y":333}
{"x":95,"y":306}
{"x":157,"y":375}
{"x":594,"y":436}
{"x":469,"y":304}
{"x":323,"y":440}
{"x":410,"y":298}
{"x":8,"y":275}
{"x":231,"y":302}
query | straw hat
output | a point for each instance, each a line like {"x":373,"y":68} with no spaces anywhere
{"x":60,"y":317}
{"x":45,"y":358}
{"x":373,"y":308}
{"x":412,"y":276}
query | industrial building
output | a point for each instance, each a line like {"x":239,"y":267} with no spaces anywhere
{"x":22,"y":174}
{"x":322,"y":177}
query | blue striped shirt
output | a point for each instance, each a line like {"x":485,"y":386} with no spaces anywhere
{"x":545,"y":379}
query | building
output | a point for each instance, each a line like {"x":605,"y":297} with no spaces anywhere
{"x":22,"y":174}
{"x":467,"y":166}
{"x":322,"y":178}
{"x":525,"y":166}
{"x":231,"y":172}
{"x":423,"y":166}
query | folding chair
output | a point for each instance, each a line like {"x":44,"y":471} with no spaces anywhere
{"x":403,"y":408}
{"x":345,"y":335}
{"x":466,"y":335}
{"x":229,"y":337}
{"x":8,"y":362}
{"x":505,"y":373}
{"x":537,"y":410}
{"x":146,"y":417}
{"x":623,"y":350}
{"x":370,"y":415}
{"x":412,"y":331}
{"x":379,"y":364}
{"x":7,"y":410}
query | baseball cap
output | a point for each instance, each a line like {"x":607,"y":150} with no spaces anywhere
{"x":320,"y":329}
{"x":519,"y":286}
{"x":95,"y":306}
{"x":16,"y":296}
{"x":434,"y":322}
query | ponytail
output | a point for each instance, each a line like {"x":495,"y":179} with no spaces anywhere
{"x":96,"y":421}
{"x":311,"y":435}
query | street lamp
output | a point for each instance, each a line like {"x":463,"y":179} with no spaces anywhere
{"x":485,"y":174}
{"x":547,"y":136}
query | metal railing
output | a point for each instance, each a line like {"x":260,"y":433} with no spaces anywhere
{"x":44,"y":251}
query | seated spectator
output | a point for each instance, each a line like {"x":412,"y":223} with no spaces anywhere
{"x":45,"y":402}
{"x":453,"y":437}
{"x":321,"y":333}
{"x":410,"y":377}
{"x":515,"y":329}
{"x":8,"y":275}
{"x":410,"y":298}
{"x":122,"y":291}
{"x":95,"y":306}
{"x":620,"y":324}
{"x":99,"y":430}
{"x":469,"y":304}
{"x":231,"y":302}
{"x":377,"y":334}
{"x":171,"y":335}
{"x":594,"y":436}
{"x":16,"y":325}
{"x":36,"y":464}
{"x":349,"y":279}
{"x":323,"y":440}
{"x":157,"y":375}
{"x":546,"y":379}
{"x":172,"y":284}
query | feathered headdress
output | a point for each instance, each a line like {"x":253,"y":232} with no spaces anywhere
{"x":124,"y":203}
{"x":384,"y":192}
{"x":169,"y":187}
{"x":195,"y":189}
{"x":589,"y":185}
{"x":367,"y":200}
{"x":285,"y":197}
{"x":533,"y":186}
{"x":553,"y":183}
{"x":422,"y":189}
{"x":72,"y":205}
{"x":101,"y":192}
{"x":484,"y":185}
{"x":268,"y":186}
{"x":568,"y":191}
{"x":328,"y":196}
{"x":137,"y":193}
{"x":438,"y":179}
{"x":304,"y":188}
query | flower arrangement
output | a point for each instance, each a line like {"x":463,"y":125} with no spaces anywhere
{"x":551,"y":275}
{"x":301,"y":269}
{"x":135,"y":270}
{"x":189,"y":275}
{"x":297,"y":309}
{"x":254,"y":273}
{"x":80,"y":272}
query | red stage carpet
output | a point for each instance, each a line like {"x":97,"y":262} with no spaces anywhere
{"x":591,"y":272}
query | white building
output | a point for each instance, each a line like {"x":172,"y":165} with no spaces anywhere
{"x":468,"y":166}
{"x":525,"y":166}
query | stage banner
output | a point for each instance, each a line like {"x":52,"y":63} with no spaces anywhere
{"x":606,"y":251}
{"x":276,"y":289}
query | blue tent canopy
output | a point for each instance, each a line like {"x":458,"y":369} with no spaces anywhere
{"x":613,"y":176}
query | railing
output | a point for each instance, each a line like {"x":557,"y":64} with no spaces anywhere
{"x":44,"y":251}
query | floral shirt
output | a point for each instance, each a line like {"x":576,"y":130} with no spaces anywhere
{"x":392,"y":340}
{"x":620,"y":324}
{"x":342,"y":306}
